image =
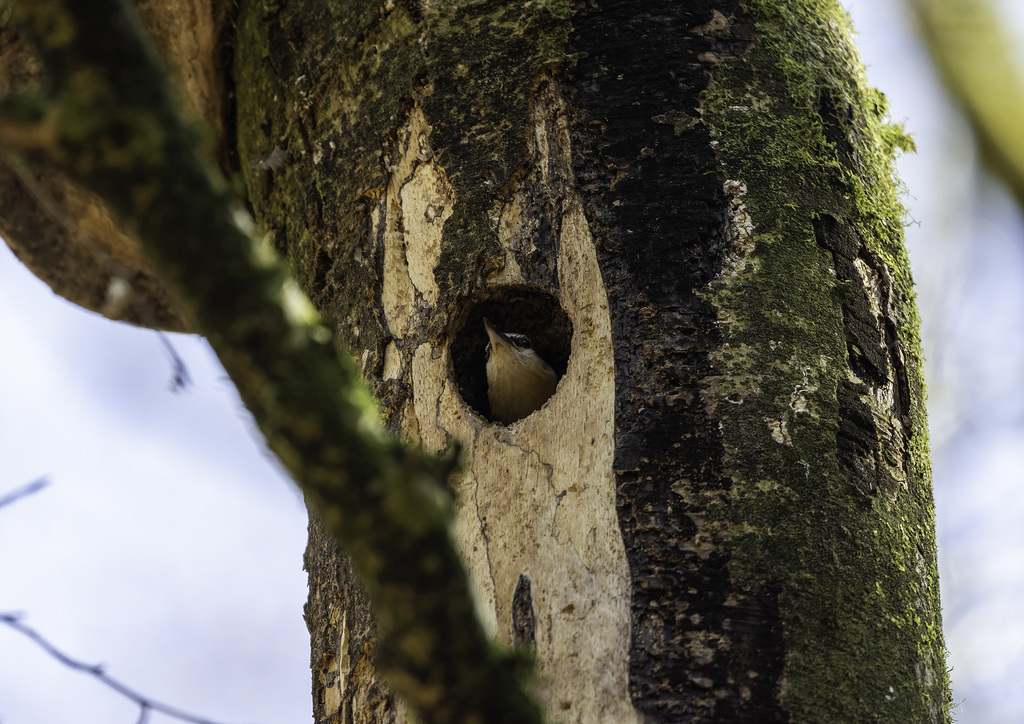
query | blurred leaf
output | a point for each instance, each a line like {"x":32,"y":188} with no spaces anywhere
{"x":975,"y":58}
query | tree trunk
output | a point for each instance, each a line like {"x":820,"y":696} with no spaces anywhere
{"x":724,"y":512}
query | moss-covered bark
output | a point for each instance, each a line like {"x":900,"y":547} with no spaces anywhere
{"x":330,"y":96}
{"x":736,"y":175}
{"x":726,"y":170}
{"x":787,"y":550}
{"x":64,"y":233}
{"x":840,"y":489}
{"x":329,"y":86}
{"x":784,"y":557}
{"x":108,"y":120}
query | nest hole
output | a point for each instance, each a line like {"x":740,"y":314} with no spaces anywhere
{"x":533,"y":312}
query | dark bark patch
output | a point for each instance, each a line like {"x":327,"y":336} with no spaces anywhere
{"x":658,"y":211}
{"x":875,"y":361}
{"x":837,"y":118}
{"x":322,"y":281}
{"x":524,"y":622}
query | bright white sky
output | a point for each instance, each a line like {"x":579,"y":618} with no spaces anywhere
{"x":169,"y":548}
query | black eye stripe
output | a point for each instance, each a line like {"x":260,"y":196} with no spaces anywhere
{"x":520,"y":340}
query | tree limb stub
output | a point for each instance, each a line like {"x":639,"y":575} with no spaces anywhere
{"x":111,"y":123}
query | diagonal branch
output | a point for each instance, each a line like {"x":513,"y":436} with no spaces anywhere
{"x":110,"y":122}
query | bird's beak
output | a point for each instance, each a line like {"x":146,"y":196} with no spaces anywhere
{"x":496,"y":337}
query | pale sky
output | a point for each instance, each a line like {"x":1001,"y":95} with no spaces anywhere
{"x":169,"y":547}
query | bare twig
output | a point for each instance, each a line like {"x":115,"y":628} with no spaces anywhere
{"x":146,"y":705}
{"x":24,"y":491}
{"x":180,"y":379}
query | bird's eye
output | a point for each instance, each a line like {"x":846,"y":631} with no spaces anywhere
{"x":520,"y":340}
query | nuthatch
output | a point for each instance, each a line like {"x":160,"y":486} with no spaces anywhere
{"x":518,"y":380}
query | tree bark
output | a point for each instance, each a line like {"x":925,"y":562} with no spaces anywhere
{"x":62,"y":231}
{"x":749,"y":536}
{"x":724,"y":513}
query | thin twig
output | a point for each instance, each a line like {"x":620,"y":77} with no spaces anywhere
{"x":25,"y":490}
{"x":180,"y":380}
{"x":146,"y":705}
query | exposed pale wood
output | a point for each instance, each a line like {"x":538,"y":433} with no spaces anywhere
{"x":535,"y":498}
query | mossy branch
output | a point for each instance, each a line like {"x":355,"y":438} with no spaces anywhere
{"x":110,"y":122}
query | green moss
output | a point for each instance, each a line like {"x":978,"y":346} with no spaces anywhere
{"x":453,"y":63}
{"x":325,"y":91}
{"x":477,"y":88}
{"x":312,"y":145}
{"x":812,"y":141}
